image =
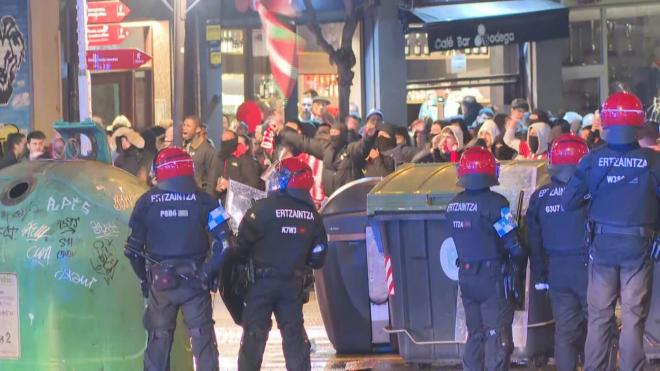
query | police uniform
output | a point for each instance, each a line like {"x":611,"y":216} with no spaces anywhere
{"x":168,"y":248}
{"x":622,"y":181}
{"x":278,"y":233}
{"x":482,"y":259}
{"x":559,"y":257}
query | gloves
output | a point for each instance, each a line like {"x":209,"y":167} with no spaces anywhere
{"x":541,"y":286}
{"x":655,"y":249}
{"x":144,"y":287}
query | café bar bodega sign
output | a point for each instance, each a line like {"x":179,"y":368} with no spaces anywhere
{"x":489,"y":23}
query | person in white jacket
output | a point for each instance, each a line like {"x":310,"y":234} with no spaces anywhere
{"x":536,"y":145}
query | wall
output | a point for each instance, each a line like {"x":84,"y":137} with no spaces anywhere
{"x":162,"y":71}
{"x":46,"y":78}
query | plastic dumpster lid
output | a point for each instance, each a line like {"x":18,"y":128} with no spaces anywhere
{"x":429,"y":187}
{"x":350,"y":198}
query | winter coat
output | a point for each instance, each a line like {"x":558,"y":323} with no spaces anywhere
{"x":340,"y":166}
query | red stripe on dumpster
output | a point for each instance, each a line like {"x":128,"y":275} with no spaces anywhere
{"x":390,"y":278}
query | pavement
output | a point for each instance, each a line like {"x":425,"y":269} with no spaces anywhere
{"x":323,"y":354}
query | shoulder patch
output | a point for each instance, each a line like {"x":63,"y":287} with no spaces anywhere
{"x":217,"y":216}
{"x":506,"y":223}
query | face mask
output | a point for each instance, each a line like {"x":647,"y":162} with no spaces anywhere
{"x":534,"y":143}
{"x":385,"y":144}
{"x":337,"y":141}
{"x":227,"y":147}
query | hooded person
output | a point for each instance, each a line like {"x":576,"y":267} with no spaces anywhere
{"x":129,"y":145}
{"x":403,"y":152}
{"x":379,"y":162}
{"x":448,"y":146}
{"x":489,"y":132}
{"x":536,"y":145}
{"x":574,"y":119}
{"x":343,"y":162}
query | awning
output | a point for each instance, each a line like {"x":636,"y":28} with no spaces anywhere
{"x":461,"y":26}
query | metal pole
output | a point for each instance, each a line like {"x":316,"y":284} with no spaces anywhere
{"x":179,"y":43}
{"x":84,"y":79}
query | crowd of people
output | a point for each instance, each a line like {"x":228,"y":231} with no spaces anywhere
{"x":338,"y":151}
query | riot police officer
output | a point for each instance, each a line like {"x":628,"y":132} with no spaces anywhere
{"x":282,"y":234}
{"x":168,"y":248}
{"x":621,"y":179}
{"x":489,"y":256}
{"x":558,"y":251}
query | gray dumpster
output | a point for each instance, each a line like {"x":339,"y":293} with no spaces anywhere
{"x":351,"y":285}
{"x":407,"y":213}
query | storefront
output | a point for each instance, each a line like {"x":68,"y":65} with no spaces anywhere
{"x":613,"y":45}
{"x":479,"y":49}
{"x":245,"y":67}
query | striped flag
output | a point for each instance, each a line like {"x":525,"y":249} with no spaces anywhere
{"x":281,"y":43}
{"x":389,"y":276}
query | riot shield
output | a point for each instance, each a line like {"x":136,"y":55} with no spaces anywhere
{"x":234,"y":284}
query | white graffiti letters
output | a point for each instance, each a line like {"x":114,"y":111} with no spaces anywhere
{"x":34,"y":232}
{"x":40,"y":255}
{"x":66,"y":274}
{"x":104,"y":230}
{"x":66,"y":204}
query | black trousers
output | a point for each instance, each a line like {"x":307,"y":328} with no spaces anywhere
{"x":284,"y":297}
{"x":160,"y":322}
{"x":567,"y":277}
{"x":488,"y":316}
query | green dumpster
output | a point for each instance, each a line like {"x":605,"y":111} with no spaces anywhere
{"x":68,"y":297}
{"x":407,"y":213}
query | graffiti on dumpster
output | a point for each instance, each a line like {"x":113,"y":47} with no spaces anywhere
{"x":105,"y":262}
{"x":66,"y":274}
{"x":104,"y":230}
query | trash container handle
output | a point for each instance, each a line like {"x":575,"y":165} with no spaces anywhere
{"x":390,"y":330}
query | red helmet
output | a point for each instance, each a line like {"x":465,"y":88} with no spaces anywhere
{"x":568,"y":149}
{"x":301,"y":174}
{"x":175,"y":170}
{"x":477,"y":168}
{"x":622,"y":109}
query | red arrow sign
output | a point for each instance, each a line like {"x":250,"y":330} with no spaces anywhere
{"x":116,"y":59}
{"x":106,"y":34}
{"x":107,"y":11}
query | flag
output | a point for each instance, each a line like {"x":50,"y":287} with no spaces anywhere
{"x":280,"y":43}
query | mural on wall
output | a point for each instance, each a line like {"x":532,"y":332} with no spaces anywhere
{"x":15,"y":74}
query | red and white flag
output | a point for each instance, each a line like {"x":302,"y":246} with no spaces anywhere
{"x":389,"y":276}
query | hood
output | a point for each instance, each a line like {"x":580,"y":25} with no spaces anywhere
{"x":490,"y":127}
{"x":458,"y":134}
{"x":544,"y":132}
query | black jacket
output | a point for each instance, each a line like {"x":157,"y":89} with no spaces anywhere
{"x":381,"y":166}
{"x":243,"y":169}
{"x":280,"y":231}
{"x":8,"y":160}
{"x":129,"y":160}
{"x":340,"y":166}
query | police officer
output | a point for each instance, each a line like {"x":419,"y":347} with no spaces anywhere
{"x":489,"y":254}
{"x":558,"y":251}
{"x":167,"y":248}
{"x":621,"y":179}
{"x":282,"y":234}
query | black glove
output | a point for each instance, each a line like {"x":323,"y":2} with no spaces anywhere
{"x":144,"y":286}
{"x":655,"y":249}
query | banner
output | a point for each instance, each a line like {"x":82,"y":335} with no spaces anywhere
{"x":15,"y":72}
